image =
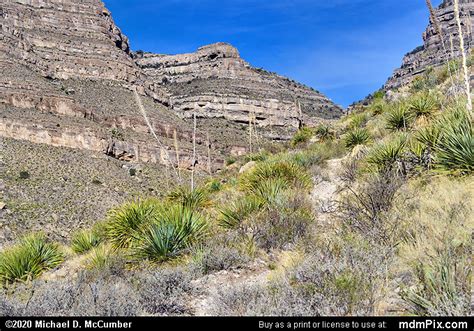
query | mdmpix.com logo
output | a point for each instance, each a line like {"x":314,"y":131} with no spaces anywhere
{"x":434,"y":324}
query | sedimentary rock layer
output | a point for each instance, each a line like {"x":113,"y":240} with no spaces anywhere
{"x":215,"y":82}
{"x":437,"y":50}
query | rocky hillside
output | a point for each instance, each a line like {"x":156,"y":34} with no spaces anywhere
{"x":436,"y":50}
{"x":215,"y":82}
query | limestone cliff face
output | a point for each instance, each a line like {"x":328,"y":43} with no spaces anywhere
{"x":215,"y":82}
{"x":432,"y":53}
{"x":67,"y":75}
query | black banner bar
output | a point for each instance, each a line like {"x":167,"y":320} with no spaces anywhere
{"x":242,"y":323}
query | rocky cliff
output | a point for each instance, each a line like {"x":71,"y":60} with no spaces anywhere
{"x":215,"y":82}
{"x":432,"y":53}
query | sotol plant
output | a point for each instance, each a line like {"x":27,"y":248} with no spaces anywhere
{"x":84,"y":241}
{"x":28,"y":259}
{"x":356,"y":137}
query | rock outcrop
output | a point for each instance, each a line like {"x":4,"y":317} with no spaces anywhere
{"x":215,"y":82}
{"x":432,"y":53}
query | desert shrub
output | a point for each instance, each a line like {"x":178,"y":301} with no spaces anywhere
{"x":24,"y":175}
{"x":125,"y":222}
{"x":399,"y":118}
{"x":283,"y":222}
{"x":378,"y":107}
{"x":214,"y":186}
{"x":84,"y":241}
{"x":230,"y":160}
{"x":163,"y":291}
{"x":356,"y":137}
{"x":222,"y":253}
{"x":302,"y":136}
{"x":269,"y":189}
{"x":192,"y":199}
{"x":294,"y":174}
{"x":388,"y":155}
{"x":324,"y":132}
{"x":326,"y":282}
{"x":365,"y":210}
{"x":173,"y":231}
{"x":423,"y":104}
{"x":358,"y":121}
{"x":257,"y":157}
{"x":28,"y":259}
{"x":100,"y":257}
{"x":235,"y":212}
{"x":317,"y":154}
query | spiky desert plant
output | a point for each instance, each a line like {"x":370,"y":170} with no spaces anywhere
{"x":195,"y":199}
{"x":28,"y":259}
{"x":324,"y":132}
{"x":428,"y":136}
{"x":379,"y":106}
{"x":125,"y":222}
{"x":358,"y":120}
{"x":84,"y":241}
{"x":385,"y":155}
{"x":454,"y":150}
{"x":269,"y":189}
{"x":356,"y":137}
{"x":423,"y":104}
{"x":237,"y":211}
{"x":294,"y":174}
{"x":399,"y":118}
{"x":176,"y":229}
{"x":99,"y":257}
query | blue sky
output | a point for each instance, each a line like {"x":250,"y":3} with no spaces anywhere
{"x":344,"y":48}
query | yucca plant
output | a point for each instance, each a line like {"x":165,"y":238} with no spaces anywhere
{"x":455,"y":148}
{"x":269,"y":189}
{"x":378,"y":107}
{"x":193,"y":199}
{"x":358,"y":121}
{"x":237,"y":211}
{"x":423,"y":104}
{"x":28,"y":259}
{"x":294,"y":174}
{"x":125,"y":222}
{"x":399,"y":118}
{"x":176,"y":229}
{"x":99,"y":257}
{"x":84,"y":241}
{"x":385,"y":155}
{"x":356,"y":137}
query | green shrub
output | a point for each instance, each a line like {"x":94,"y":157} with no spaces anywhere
{"x":378,"y":107}
{"x":356,"y":137}
{"x":324,"y":132}
{"x":303,"y":135}
{"x":358,"y":120}
{"x":214,"y":186}
{"x":175,"y":229}
{"x":423,"y":104}
{"x":100,"y":257}
{"x":28,"y":259}
{"x":294,"y":174}
{"x":268,"y":190}
{"x":230,"y":160}
{"x":84,"y":241}
{"x":194,"y":199}
{"x":24,"y":175}
{"x":385,"y":155}
{"x":399,"y":118}
{"x":235,"y":212}
{"x":125,"y":222}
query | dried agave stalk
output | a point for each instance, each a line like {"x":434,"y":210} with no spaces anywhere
{"x":463,"y":54}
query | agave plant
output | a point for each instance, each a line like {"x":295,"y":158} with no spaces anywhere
{"x":125,"y":222}
{"x":324,"y":132}
{"x":356,"y":137}
{"x":176,"y":229}
{"x":27,"y":260}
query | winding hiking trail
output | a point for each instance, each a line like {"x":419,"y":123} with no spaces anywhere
{"x":324,"y":192}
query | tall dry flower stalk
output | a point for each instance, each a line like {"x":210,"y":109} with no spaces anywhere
{"x":463,"y":54}
{"x":176,"y":148}
{"x":193,"y":169}
{"x":152,"y":130}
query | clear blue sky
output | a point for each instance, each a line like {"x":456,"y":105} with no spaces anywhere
{"x":344,"y":48}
